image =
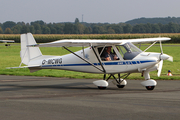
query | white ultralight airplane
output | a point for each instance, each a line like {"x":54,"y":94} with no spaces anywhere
{"x":6,"y":41}
{"x":127,"y":58}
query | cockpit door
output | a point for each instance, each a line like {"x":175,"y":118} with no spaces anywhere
{"x":112,"y":65}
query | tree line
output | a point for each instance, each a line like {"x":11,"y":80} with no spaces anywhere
{"x":40,"y":27}
{"x":165,"y":20}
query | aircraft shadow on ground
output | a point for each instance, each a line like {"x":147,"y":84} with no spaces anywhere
{"x":80,"y":85}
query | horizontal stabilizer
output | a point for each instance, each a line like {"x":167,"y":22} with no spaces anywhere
{"x":32,"y":68}
{"x":23,"y":67}
{"x":15,"y":67}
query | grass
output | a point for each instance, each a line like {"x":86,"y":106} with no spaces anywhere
{"x":10,"y":57}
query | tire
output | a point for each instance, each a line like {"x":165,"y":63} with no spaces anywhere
{"x":101,"y":88}
{"x":120,"y":86}
{"x":150,"y":87}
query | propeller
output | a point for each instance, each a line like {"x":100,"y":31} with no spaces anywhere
{"x":160,"y":68}
{"x":161,"y":58}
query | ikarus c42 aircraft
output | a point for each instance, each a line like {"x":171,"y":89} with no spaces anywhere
{"x":6,"y":41}
{"x":107,"y":57}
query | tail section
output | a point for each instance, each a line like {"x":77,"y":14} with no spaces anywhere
{"x":28,"y":53}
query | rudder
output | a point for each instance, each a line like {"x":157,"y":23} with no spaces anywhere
{"x":28,"y":53}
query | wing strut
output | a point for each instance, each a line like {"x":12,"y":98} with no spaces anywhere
{"x":149,"y":46}
{"x":83,"y":59}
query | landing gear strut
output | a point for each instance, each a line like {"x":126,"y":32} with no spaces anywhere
{"x":120,"y":82}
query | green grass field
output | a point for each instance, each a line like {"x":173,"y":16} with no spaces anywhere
{"x":10,"y":57}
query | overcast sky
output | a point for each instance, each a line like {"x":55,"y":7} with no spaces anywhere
{"x":94,"y":11}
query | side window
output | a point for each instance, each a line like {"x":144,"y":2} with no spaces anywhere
{"x":101,"y":51}
{"x":107,"y":53}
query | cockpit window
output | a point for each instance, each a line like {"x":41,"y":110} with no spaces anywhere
{"x":107,"y":53}
{"x":128,"y":51}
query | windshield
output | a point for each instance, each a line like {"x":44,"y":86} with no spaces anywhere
{"x":128,"y":51}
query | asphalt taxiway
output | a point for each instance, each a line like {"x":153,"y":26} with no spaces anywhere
{"x":45,"y":98}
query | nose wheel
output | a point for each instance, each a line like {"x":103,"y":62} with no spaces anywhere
{"x":149,"y":84}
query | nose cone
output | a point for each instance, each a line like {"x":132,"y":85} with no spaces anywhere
{"x":164,"y":57}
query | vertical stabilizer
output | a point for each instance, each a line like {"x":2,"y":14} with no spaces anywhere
{"x":28,"y":53}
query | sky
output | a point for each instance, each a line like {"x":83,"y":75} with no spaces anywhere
{"x":93,"y":11}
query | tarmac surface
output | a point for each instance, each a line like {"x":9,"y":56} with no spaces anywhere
{"x":48,"y":98}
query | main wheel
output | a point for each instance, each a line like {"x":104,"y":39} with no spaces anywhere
{"x":101,"y":88}
{"x":120,"y":86}
{"x":150,"y":87}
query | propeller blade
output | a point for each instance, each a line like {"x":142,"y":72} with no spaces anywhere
{"x":160,"y":68}
{"x":161,"y":47}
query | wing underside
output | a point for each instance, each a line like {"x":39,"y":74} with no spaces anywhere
{"x":97,"y":42}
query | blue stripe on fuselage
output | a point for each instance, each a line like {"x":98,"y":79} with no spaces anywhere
{"x":104,"y":63}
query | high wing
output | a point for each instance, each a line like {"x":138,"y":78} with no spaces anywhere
{"x":5,"y":41}
{"x":96,"y":42}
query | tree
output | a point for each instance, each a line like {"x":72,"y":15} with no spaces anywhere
{"x":75,"y":29}
{"x":1,"y":31}
{"x":155,"y":28}
{"x":148,"y":27}
{"x":173,"y":28}
{"x":1,"y":25}
{"x":46,"y":30}
{"x":139,"y":28}
{"x":88,"y":30}
{"x":40,"y":22}
{"x":76,"y":21}
{"x":37,"y":28}
{"x":110,"y":31}
{"x":8,"y":24}
{"x":8,"y":31}
{"x":53,"y":30}
{"x":127,"y":28}
{"x":21,"y":23}
{"x":31,"y":29}
{"x":117,"y":28}
{"x":68,"y":28}
{"x":59,"y":28}
{"x":80,"y":28}
{"x":98,"y":30}
{"x":24,"y":29}
{"x":165,"y":28}
{"x":16,"y":29}
{"x":161,"y":27}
